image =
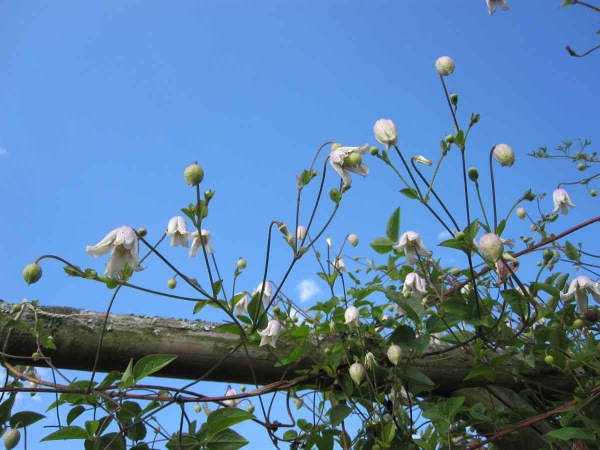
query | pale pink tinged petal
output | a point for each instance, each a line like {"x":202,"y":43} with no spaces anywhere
{"x":360,"y":170}
{"x":104,"y":246}
{"x":195,"y":246}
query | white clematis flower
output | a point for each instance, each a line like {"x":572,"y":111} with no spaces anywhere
{"x":234,"y":401}
{"x":125,"y":248}
{"x":351,"y":315}
{"x":349,"y":159}
{"x":561,"y":201}
{"x":415,"y":285}
{"x":178,"y":232}
{"x":204,"y":240}
{"x":580,"y":287}
{"x":411,"y":244}
{"x":270,"y":334}
{"x":241,"y":307}
{"x":493,"y":4}
{"x":267,"y":292}
{"x":386,"y":132}
{"x":339,"y":264}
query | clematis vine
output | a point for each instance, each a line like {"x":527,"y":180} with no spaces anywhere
{"x":561,"y":201}
{"x":349,"y":159}
{"x":579,"y":288}
{"x":203,"y":239}
{"x":493,"y":4}
{"x":270,"y":334}
{"x":411,"y":244}
{"x":178,"y":232}
{"x":415,"y":285}
{"x":124,"y":244}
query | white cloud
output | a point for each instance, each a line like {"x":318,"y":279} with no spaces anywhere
{"x":443,"y":235}
{"x":307,"y":290}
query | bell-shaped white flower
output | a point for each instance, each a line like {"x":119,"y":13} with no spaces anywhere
{"x":266,"y":293}
{"x":349,"y":159}
{"x":178,"y":232}
{"x":411,"y":244}
{"x":203,"y":239}
{"x":386,"y":132}
{"x":270,"y":334}
{"x":357,"y":372}
{"x":394,"y":354}
{"x":125,"y":248}
{"x":351,"y":315}
{"x":300,"y":232}
{"x":561,"y":201}
{"x":415,"y":285}
{"x":241,"y":307}
{"x":339,"y":264}
{"x":234,"y":401}
{"x":493,"y":4}
{"x":580,"y":287}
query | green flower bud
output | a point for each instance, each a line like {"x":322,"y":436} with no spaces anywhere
{"x":193,"y":174}
{"x":197,"y":409}
{"x":172,"y":283}
{"x":374,"y":150}
{"x":593,"y":192}
{"x":32,"y":273}
{"x":394,"y":354}
{"x":241,"y":263}
{"x":547,"y":255}
{"x":298,"y":403}
{"x":454,"y":99}
{"x":142,"y":232}
{"x":276,"y":309}
{"x":459,"y":236}
{"x":450,"y":139}
{"x":354,"y":159}
{"x":243,"y":388}
{"x":473,"y":174}
{"x":251,"y":408}
{"x":581,"y":166}
{"x":357,"y":372}
{"x":12,"y":438}
{"x":335,"y":195}
{"x":529,"y":196}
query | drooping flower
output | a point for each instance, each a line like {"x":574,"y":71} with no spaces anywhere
{"x":301,"y":232}
{"x":444,"y":65}
{"x":267,"y":292}
{"x":561,"y":201}
{"x":414,"y":284}
{"x":411,"y":244}
{"x":328,"y":240}
{"x":270,"y":334}
{"x":339,"y":264}
{"x":178,"y":232}
{"x":386,"y":132}
{"x":241,"y":307}
{"x":370,"y":360}
{"x":357,"y":372}
{"x":580,"y":287}
{"x":234,"y":401}
{"x":123,"y":242}
{"x":505,"y":267}
{"x":493,"y":4}
{"x":351,"y":316}
{"x":203,"y":239}
{"x":349,"y":159}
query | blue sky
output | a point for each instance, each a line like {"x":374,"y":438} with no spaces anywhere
{"x":103,"y":105}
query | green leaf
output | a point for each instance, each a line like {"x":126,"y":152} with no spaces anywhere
{"x":568,"y":433}
{"x":402,"y":334}
{"x":413,"y":308}
{"x":25,"y":418}
{"x":230,"y":327}
{"x":290,"y":435}
{"x":571,"y":252}
{"x":183,"y":442}
{"x":224,"y":418}
{"x":6,"y":407}
{"x":410,"y":193}
{"x":460,"y":138}
{"x":127,"y":379}
{"x":75,"y":413}
{"x":338,"y":414}
{"x":256,"y":310}
{"x":151,"y":364}
{"x":392,"y":230}
{"x":216,"y":287}
{"x":477,"y":411}
{"x":501,"y":227}
{"x":199,"y":306}
{"x":488,"y":373}
{"x":67,"y":433}
{"x":226,"y":440}
{"x":382,"y":245}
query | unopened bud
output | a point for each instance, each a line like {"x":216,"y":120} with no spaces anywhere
{"x":12,"y":438}
{"x":491,"y":247}
{"x":357,"y":372}
{"x":301,"y":232}
{"x":250,"y":408}
{"x":241,"y":263}
{"x":394,"y":354}
{"x":32,"y":273}
{"x":171,"y":283}
{"x":193,"y":174}
{"x":353,"y":239}
{"x":335,"y":195}
{"x":473,"y":174}
{"x":374,"y":150}
{"x":197,"y":409}
{"x":521,"y":213}
{"x":444,"y":65}
{"x":422,"y":160}
{"x":141,"y":232}
{"x":504,"y":154}
{"x":594,"y":193}
{"x":298,"y":403}
{"x":450,"y":139}
{"x":454,"y":99}
{"x":581,"y":166}
{"x":276,"y":309}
